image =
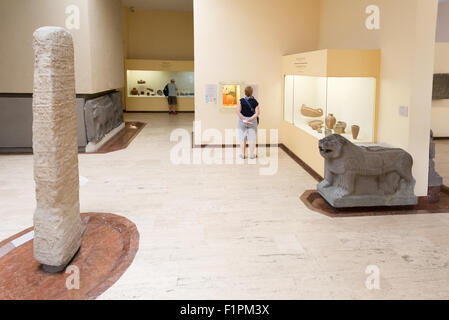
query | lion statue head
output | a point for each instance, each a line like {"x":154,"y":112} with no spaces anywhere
{"x":331,"y":147}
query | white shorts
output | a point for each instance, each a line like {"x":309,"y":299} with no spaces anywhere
{"x":247,"y":132}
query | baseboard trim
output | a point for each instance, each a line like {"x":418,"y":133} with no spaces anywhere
{"x":290,"y":153}
{"x":155,"y":111}
{"x":6,"y":151}
{"x":95,"y":146}
{"x":223,"y":146}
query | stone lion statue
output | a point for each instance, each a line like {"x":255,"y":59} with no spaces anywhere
{"x":365,"y":176}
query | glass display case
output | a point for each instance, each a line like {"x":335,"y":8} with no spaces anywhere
{"x":150,"y":84}
{"x":325,"y":105}
{"x":333,"y":91}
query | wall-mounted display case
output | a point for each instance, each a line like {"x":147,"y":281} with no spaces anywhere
{"x":150,"y":84}
{"x":333,"y":91}
{"x":146,"y":80}
{"x":327,"y":105}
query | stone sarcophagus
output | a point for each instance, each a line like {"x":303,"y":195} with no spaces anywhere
{"x":358,"y":176}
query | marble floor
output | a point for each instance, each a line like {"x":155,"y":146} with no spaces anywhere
{"x":227,"y":232}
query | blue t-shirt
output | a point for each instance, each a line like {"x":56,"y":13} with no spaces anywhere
{"x":172,"y":90}
{"x":247,"y":110}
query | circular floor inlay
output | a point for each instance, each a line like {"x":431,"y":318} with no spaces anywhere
{"x":108,"y":248}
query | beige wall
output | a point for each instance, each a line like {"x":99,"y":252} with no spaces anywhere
{"x":406,"y":39}
{"x":443,"y":22}
{"x":106,"y":45}
{"x":97,"y":43}
{"x":160,"y":35}
{"x":249,"y":49}
{"x":440,"y":108}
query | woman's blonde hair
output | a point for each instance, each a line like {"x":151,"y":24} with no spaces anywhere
{"x":248,"y":91}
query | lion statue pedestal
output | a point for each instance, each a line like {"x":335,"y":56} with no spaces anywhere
{"x":357,"y":176}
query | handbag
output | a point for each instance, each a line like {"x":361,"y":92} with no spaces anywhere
{"x":253,"y":110}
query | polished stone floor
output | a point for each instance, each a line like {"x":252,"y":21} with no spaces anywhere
{"x":227,"y":232}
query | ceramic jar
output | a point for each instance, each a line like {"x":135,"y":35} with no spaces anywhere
{"x":355,"y":131}
{"x":330,"y":121}
{"x":340,"y":127}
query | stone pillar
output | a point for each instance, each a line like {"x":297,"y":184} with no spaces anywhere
{"x":57,"y":221}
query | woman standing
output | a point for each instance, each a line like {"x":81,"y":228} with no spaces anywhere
{"x":248,"y":112}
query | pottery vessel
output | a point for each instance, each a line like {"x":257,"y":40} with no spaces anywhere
{"x":331,"y":121}
{"x":229,"y":99}
{"x":316,"y":124}
{"x":311,"y":112}
{"x":340,"y":127}
{"x":134,"y":92}
{"x":355,"y":131}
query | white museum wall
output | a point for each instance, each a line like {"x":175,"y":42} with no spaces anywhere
{"x":249,"y":49}
{"x":406,"y":39}
{"x":106,"y":45}
{"x":440,"y":108}
{"x":95,"y":63}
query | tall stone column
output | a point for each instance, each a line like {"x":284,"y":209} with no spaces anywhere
{"x":57,"y":221}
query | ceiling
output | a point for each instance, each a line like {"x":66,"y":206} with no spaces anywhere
{"x":160,"y":5}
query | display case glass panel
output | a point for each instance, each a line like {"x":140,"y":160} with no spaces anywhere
{"x":149,"y":84}
{"x":327,"y":105}
{"x":288,"y":98}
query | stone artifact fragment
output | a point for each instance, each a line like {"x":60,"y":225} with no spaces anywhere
{"x":330,"y":121}
{"x":57,"y":222}
{"x":358,"y":176}
{"x":311,"y":112}
{"x":435,"y":180}
{"x":316,"y":124}
{"x":440,"y":86}
{"x":117,"y":109}
{"x":102,"y":115}
{"x":355,"y":131}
